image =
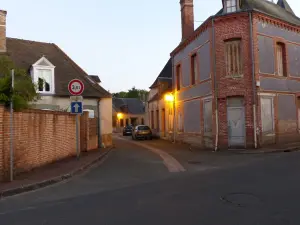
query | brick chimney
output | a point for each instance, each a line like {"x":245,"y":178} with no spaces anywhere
{"x":187,"y":18}
{"x":3,"y":31}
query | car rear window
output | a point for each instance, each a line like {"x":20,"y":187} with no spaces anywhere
{"x":128,"y":127}
{"x":143,"y":128}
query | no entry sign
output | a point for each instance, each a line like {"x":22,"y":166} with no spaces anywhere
{"x":76,"y":87}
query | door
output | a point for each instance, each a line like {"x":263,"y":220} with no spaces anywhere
{"x":236,"y":123}
{"x":163,"y":122}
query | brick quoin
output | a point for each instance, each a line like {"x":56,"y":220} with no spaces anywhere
{"x":230,"y":27}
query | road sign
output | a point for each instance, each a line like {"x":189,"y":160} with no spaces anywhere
{"x":76,"y":98}
{"x":76,"y":107}
{"x":76,"y":87}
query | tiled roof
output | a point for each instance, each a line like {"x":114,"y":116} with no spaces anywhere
{"x":95,"y":78}
{"x":155,"y":98}
{"x":165,"y":74}
{"x":25,"y":53}
{"x":134,"y":105}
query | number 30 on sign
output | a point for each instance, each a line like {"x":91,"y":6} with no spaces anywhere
{"x":76,"y":87}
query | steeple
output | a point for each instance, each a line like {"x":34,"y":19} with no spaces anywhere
{"x":285,"y":5}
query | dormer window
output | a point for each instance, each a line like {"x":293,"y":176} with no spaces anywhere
{"x":43,"y":75}
{"x":231,"y":6}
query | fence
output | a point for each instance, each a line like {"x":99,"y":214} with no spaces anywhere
{"x":42,"y":137}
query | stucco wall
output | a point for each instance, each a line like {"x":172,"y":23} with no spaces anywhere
{"x":106,"y":121}
{"x":56,"y":103}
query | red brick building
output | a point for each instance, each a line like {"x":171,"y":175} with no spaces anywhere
{"x":236,"y":78}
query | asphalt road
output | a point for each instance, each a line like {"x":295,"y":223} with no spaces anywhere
{"x":133,"y":186}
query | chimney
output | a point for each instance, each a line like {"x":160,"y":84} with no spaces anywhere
{"x":3,"y":31}
{"x":187,"y":18}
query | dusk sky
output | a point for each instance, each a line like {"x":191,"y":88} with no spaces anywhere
{"x":126,"y":43}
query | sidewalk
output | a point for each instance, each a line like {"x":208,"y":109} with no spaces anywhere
{"x":52,"y":173}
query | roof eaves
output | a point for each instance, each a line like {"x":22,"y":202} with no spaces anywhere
{"x":276,"y":17}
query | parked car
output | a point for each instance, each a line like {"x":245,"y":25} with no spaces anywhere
{"x":127,"y":130}
{"x":142,"y":132}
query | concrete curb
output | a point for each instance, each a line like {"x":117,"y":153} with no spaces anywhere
{"x":291,"y":149}
{"x":54,"y":180}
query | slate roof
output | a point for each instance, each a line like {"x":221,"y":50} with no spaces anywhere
{"x":134,"y":105}
{"x":281,"y":10}
{"x":165,"y":74}
{"x":25,"y":53}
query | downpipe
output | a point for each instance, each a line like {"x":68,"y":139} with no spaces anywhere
{"x":215,"y":86}
{"x":253,"y":81}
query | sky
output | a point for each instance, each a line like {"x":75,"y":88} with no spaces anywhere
{"x":125,"y":43}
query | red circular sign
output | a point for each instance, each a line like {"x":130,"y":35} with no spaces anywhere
{"x":76,"y":87}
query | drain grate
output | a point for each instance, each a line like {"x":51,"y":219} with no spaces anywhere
{"x":241,"y":199}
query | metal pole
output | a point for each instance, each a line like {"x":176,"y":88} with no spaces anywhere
{"x":11,"y":128}
{"x":77,"y":136}
{"x":253,"y":81}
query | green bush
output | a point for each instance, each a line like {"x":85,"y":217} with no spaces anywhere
{"x":24,"y":90}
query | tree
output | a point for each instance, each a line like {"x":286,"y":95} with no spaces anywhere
{"x":24,"y":90}
{"x":132,"y":93}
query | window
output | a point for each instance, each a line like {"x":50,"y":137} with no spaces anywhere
{"x":91,"y":113}
{"x":281,"y":61}
{"x":142,"y":121}
{"x":171,"y":118}
{"x":157,"y":120}
{"x":233,"y":58}
{"x":43,"y":75}
{"x":180,"y":122}
{"x":207,"y":116}
{"x":152,"y":119}
{"x":193,"y":69}
{"x":231,"y":6}
{"x":178,"y":76}
{"x":267,"y":114}
{"x":44,"y":80}
{"x":121,"y":123}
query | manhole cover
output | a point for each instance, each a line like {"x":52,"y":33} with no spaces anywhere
{"x":241,"y":199}
{"x":194,"y":162}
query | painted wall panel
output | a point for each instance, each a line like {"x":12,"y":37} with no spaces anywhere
{"x":272,"y":30}
{"x":266,"y":55}
{"x":273,"y":84}
{"x":192,"y":116}
{"x":196,"y":91}
{"x":186,"y":71}
{"x":294,"y":59}
{"x":204,"y":61}
{"x":287,"y":107}
{"x":184,"y":56}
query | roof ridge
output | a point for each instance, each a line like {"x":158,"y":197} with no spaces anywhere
{"x":20,"y":39}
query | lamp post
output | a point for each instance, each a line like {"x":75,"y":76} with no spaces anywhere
{"x":171,"y":99}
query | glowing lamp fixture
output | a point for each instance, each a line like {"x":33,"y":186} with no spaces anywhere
{"x":169,"y":98}
{"x":120,"y":115}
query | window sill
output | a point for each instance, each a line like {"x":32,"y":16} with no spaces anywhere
{"x":235,"y":76}
{"x":46,"y":93}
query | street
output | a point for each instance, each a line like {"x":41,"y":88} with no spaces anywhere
{"x":156,"y":182}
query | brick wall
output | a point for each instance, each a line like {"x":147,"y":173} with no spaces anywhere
{"x":88,"y":132}
{"x":231,"y":27}
{"x":42,"y":137}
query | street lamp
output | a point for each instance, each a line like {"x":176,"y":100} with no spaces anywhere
{"x":170,"y":97}
{"x":120,"y":116}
